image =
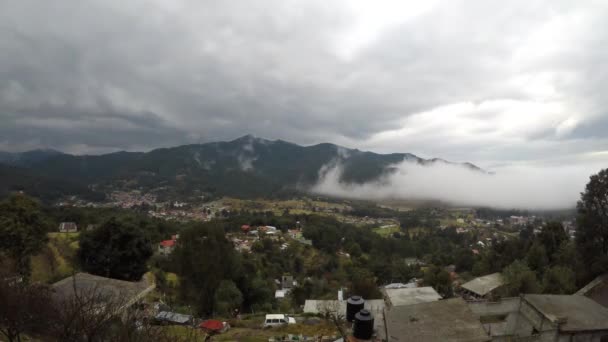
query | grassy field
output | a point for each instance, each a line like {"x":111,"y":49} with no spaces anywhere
{"x":417,"y":230}
{"x":386,"y":231}
{"x":295,"y":206}
{"x":55,"y":262}
{"x":172,"y":279}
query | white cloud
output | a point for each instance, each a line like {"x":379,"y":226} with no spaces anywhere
{"x":522,"y":187}
{"x":372,"y":18}
{"x":473,"y":80}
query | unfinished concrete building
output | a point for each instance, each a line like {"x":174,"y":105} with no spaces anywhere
{"x":544,"y":318}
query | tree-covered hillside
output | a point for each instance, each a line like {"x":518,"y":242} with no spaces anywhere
{"x":243,"y":167}
{"x":14,"y":179}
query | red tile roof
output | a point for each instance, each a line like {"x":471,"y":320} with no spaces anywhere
{"x":212,"y":325}
{"x":167,"y":243}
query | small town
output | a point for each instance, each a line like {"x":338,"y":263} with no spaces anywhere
{"x":422,"y":300}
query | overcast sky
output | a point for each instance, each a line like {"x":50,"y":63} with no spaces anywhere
{"x":490,"y":82}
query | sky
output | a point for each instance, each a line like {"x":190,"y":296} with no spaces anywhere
{"x":495,"y":83}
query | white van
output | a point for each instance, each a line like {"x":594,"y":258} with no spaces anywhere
{"x":276,"y":320}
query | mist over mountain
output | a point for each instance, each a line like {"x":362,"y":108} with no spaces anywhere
{"x":252,"y":167}
{"x":246,"y":166}
{"x":514,"y":187}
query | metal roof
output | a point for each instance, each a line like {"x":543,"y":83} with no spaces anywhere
{"x":173,"y":317}
{"x":484,"y":285}
{"x":105,"y":289}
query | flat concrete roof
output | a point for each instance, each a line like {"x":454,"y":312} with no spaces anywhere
{"x":448,"y":320}
{"x":484,"y":285}
{"x":580,"y":313}
{"x":409,"y":296}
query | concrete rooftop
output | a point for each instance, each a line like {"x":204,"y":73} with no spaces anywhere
{"x":580,"y":313}
{"x":448,"y":320}
{"x":409,"y":296}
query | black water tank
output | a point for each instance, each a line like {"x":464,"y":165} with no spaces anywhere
{"x":354,"y":304}
{"x":363,"y":329}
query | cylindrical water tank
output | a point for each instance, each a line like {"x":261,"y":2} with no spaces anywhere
{"x":363,"y":328}
{"x":354,"y":304}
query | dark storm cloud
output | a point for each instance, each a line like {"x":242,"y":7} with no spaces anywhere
{"x":77,"y":133}
{"x":471,"y":80}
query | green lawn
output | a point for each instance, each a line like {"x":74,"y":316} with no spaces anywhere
{"x":63,"y":236}
{"x":55,"y":260}
{"x":386,"y":231}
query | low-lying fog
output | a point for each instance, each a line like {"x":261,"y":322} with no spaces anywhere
{"x":521,"y":187}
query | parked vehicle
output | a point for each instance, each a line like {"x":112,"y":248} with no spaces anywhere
{"x":275,"y":320}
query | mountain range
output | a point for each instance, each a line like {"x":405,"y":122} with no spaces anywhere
{"x":245,"y":167}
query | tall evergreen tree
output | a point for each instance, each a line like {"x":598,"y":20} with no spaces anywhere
{"x":117,"y":249}
{"x":559,"y":280}
{"x":519,"y":278}
{"x":592,"y":221}
{"x":227,"y":298}
{"x":552,"y":236}
{"x":23,"y":230}
{"x":204,"y":258}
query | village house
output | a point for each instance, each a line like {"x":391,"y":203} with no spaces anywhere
{"x":166,"y":247}
{"x":68,"y":227}
{"x":294,"y":233}
{"x":287,"y":282}
{"x":565,"y":318}
{"x":241,"y":245}
{"x":534,"y":317}
{"x":280,"y":294}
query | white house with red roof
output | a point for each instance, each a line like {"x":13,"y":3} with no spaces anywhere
{"x":166,"y":247}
